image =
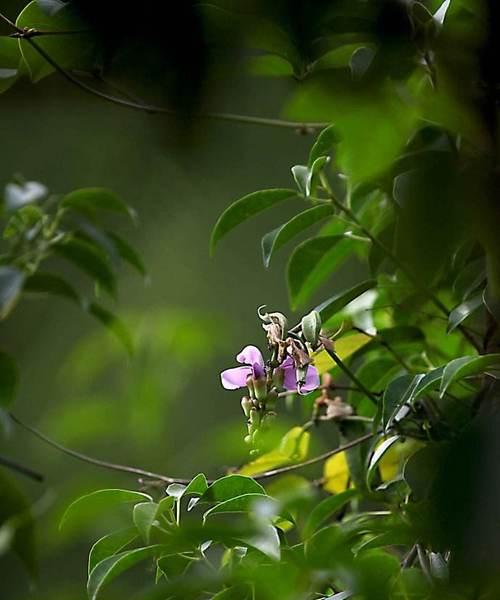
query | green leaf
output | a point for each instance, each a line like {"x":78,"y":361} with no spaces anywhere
{"x":464,"y":310}
{"x":109,"y":545}
{"x":48,"y":283}
{"x":9,"y":377}
{"x":114,"y":324}
{"x":326,"y":509}
{"x":108,"y":569}
{"x":336,"y":303}
{"x":73,"y":51}
{"x":376,"y":456}
{"x":270,"y":65}
{"x":312,"y":262}
{"x":247,"y":207}
{"x":360,"y":118}
{"x":401,"y":334}
{"x":323,"y":145}
{"x":231,"y":486}
{"x":197,"y":486}
{"x":128,"y":253}
{"x":86,"y":507}
{"x":90,"y":200}
{"x":293,"y":447}
{"x":277,"y":238}
{"x":465,"y":366}
{"x":393,"y":398}
{"x":144,"y":515}
{"x":89,"y":258}
{"x":266,"y":541}
{"x":304,"y":176}
{"x":238,"y":504}
{"x":11,"y":284}
{"x":176,"y":490}
{"x":396,"y":396}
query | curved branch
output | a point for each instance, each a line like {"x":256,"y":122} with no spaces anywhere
{"x":95,"y":461}
{"x":303,"y":128}
{"x":316,"y":459}
{"x":18,"y":468}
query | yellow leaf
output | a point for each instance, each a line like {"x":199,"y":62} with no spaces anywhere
{"x":391,"y":463}
{"x":344,"y":348}
{"x":293,"y":447}
{"x":336,"y":474}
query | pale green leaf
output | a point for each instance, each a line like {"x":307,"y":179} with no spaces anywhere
{"x":247,"y":207}
{"x":277,"y":238}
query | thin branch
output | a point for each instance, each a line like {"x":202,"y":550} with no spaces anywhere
{"x":95,"y":461}
{"x":31,"y":32}
{"x":409,"y":558}
{"x":18,"y":468}
{"x":315,"y":459}
{"x":387,"y":346}
{"x":151,"y":108}
{"x":328,"y":346}
{"x":333,"y":388}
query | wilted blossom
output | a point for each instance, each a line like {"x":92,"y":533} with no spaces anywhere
{"x":253,"y":365}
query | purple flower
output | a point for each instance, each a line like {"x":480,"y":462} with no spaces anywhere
{"x":251,"y":357}
{"x":290,"y":383}
{"x":253,"y":364}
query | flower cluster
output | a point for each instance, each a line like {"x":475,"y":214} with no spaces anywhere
{"x":289,"y":369}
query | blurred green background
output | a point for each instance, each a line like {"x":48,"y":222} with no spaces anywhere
{"x":163,"y":410}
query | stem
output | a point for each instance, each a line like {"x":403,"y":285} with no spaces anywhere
{"x":18,"y":468}
{"x":95,"y":461}
{"x":409,"y":558}
{"x":30,"y":33}
{"x":328,"y":346}
{"x":316,"y":459}
{"x":150,"y":108}
{"x":333,"y":388}
{"x":434,"y":299}
{"x":388,"y":347}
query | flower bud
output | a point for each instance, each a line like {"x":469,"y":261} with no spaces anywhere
{"x":259,"y":383}
{"x":271,"y":399}
{"x":253,"y":421}
{"x":247,"y":439}
{"x":246,"y":405}
{"x":311,"y":326}
{"x":278,"y":377}
{"x":250,"y":386}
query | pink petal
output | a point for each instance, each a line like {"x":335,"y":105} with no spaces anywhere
{"x":312,"y":380}
{"x":290,"y":379}
{"x":232,"y":379}
{"x":250,"y":355}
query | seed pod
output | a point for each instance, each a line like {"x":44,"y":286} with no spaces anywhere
{"x":311,"y":326}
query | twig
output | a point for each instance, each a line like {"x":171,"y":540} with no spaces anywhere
{"x":315,"y":459}
{"x":328,"y":346}
{"x":333,"y":387}
{"x":409,"y":558}
{"x":150,"y":108}
{"x":31,"y":32}
{"x":18,"y":468}
{"x":95,"y":461}
{"x":387,"y":346}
